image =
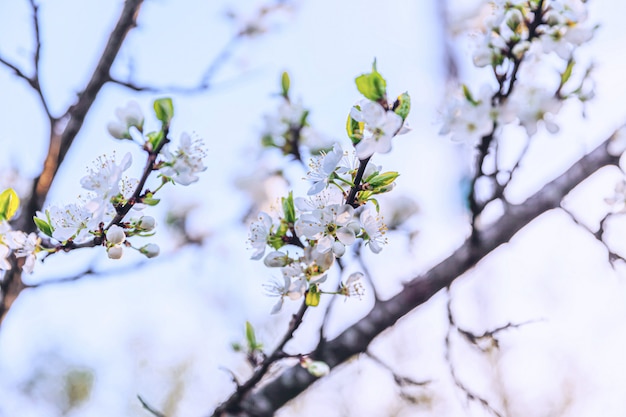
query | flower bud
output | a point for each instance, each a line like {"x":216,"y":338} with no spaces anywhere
{"x":151,"y":250}
{"x":146,"y":223}
{"x":276,"y":259}
{"x":315,"y":368}
{"x":115,"y":252}
{"x":115,"y":235}
{"x":118,"y":130}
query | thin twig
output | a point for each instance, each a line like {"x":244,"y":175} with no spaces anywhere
{"x":232,"y":404}
{"x":148,"y":407}
{"x":469,"y":394}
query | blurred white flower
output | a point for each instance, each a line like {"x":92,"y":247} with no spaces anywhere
{"x":24,"y":246}
{"x":259,"y":234}
{"x":187,"y":161}
{"x":127,"y":117}
{"x":374,"y":228}
{"x":5,"y":265}
{"x":322,"y":169}
{"x":469,"y":120}
{"x":353,"y":287}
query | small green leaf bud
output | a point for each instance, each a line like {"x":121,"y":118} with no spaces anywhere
{"x":9,"y":203}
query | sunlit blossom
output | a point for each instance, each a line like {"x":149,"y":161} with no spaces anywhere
{"x":380,"y":127}
{"x":374,"y":228}
{"x":259,"y":234}
{"x":183,"y":165}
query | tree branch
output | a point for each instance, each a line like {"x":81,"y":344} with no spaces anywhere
{"x":384,"y":314}
{"x":63,"y":131}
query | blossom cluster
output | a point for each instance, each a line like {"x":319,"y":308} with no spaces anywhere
{"x":288,"y":128}
{"x":308,"y":234}
{"x":22,"y":245}
{"x":516,"y":36}
{"x":111,"y":209}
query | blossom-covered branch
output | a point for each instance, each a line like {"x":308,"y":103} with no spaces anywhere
{"x":354,"y":340}
{"x":102,"y":217}
{"x":63,"y":131}
{"x":517,"y":37}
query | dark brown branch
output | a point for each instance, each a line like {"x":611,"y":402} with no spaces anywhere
{"x":400,"y":380}
{"x":63,"y":131}
{"x":384,"y":314}
{"x":598,"y":235}
{"x":232,"y":404}
{"x":36,"y":60}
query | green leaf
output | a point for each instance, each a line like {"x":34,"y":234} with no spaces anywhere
{"x":164,"y":110}
{"x":289,"y":209}
{"x":468,"y":95}
{"x":151,"y":201}
{"x":354,"y":129}
{"x":383,"y":179}
{"x":250,"y":336}
{"x":9,"y":203}
{"x":284,"y":83}
{"x":305,"y":114}
{"x":42,"y":225}
{"x":402,"y":106}
{"x":155,"y":139}
{"x":372,"y":85}
{"x":568,"y":71}
{"x":371,"y":176}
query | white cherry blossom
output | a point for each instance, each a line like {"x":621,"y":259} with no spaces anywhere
{"x":322,"y":169}
{"x":327,"y":226}
{"x":5,"y":265}
{"x":374,"y":228}
{"x":23,"y":246}
{"x":72,"y":221}
{"x":380,"y":127}
{"x":127,"y":117}
{"x":186,"y":162}
{"x":104,"y":178}
{"x":259,"y":234}
{"x":469,"y":120}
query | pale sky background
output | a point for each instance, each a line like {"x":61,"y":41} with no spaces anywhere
{"x":164,"y":330}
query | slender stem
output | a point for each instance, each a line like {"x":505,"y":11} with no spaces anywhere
{"x":357,"y":182}
{"x":232,"y":404}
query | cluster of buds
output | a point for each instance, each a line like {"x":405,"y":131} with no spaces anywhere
{"x":288,"y":128}
{"x":23,"y":246}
